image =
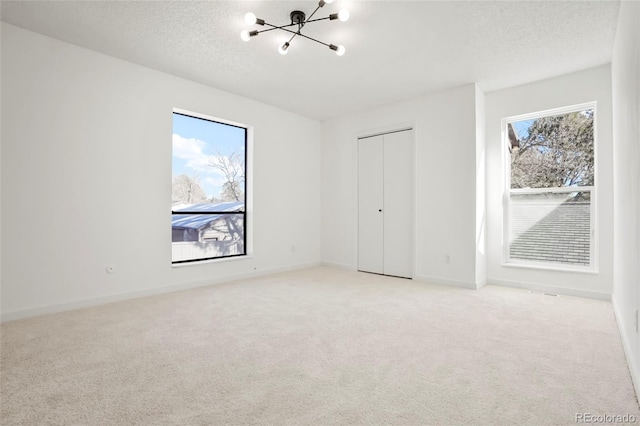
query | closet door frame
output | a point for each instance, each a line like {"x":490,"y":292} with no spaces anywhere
{"x":380,"y":131}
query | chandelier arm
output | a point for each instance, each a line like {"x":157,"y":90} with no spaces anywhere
{"x":283,"y":28}
{"x":310,"y":16}
{"x":294,"y":36}
{"x":289,"y":31}
{"x":313,"y":39}
{"x":278,"y":27}
{"x":316,"y":20}
{"x":295,"y":33}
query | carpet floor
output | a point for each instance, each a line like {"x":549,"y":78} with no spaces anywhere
{"x":319,"y":346}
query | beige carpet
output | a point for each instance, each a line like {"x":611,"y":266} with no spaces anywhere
{"x":319,"y":346}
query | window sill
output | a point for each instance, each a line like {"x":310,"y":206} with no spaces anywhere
{"x":207,"y":261}
{"x":552,"y":268}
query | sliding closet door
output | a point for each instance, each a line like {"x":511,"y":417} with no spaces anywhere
{"x":398,"y":204}
{"x":370,"y":204}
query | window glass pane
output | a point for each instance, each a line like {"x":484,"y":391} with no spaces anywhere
{"x":551,"y":227}
{"x":209,"y":178}
{"x":552,"y":151}
{"x":206,"y":236}
{"x":551,"y":187}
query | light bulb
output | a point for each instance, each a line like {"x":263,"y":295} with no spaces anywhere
{"x":250,"y":18}
{"x":344,"y":15}
{"x":244,"y":35}
{"x":283,"y":49}
{"x":340,"y":51}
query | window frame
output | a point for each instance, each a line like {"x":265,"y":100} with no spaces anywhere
{"x":245,"y":212}
{"x":507,"y":191}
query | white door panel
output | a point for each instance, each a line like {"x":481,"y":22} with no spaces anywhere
{"x":370,"y":204}
{"x":398,"y":204}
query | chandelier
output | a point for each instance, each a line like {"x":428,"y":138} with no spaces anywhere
{"x":298,"y":19}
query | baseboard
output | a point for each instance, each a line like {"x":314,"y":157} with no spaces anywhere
{"x":451,"y":283}
{"x":633,"y":359}
{"x":117,"y":297}
{"x":551,"y":289}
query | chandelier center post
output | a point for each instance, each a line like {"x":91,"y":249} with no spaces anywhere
{"x":298,"y":17}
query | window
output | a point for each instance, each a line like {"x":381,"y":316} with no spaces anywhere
{"x":550,"y":208}
{"x":208,"y":214}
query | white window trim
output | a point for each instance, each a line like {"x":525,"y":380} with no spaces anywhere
{"x":506,"y":199}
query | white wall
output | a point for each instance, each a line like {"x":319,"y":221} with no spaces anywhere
{"x":580,"y":87}
{"x":626,"y":147}
{"x":445,"y":164}
{"x":86,"y":178}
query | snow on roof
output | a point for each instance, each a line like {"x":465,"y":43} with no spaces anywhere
{"x":198,"y":221}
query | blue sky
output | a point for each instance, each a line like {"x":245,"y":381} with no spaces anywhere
{"x":522,"y":128}
{"x":195,"y":143}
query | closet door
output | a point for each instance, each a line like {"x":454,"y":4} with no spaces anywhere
{"x":370,"y":204}
{"x":398,"y":204}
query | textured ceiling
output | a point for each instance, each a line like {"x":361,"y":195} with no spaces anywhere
{"x":395,"y":50}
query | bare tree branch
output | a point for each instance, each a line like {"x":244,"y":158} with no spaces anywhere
{"x":233,"y":169}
